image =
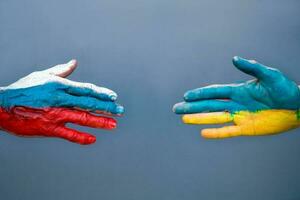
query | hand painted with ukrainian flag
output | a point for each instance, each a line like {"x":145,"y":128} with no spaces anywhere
{"x":267,"y":105}
{"x":42,"y":103}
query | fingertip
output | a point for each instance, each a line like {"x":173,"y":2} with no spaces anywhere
{"x":72,"y":63}
{"x":183,"y":119}
{"x":91,"y":140}
{"x":188,"y":96}
{"x":64,"y":70}
{"x":120,"y":110}
{"x":85,"y":139}
{"x":176,"y":107}
{"x":189,"y":119}
{"x":112,"y":124}
{"x":186,"y":119}
{"x":185,"y":95}
{"x":235,"y":59}
{"x":113,"y":96}
{"x":208,"y":134}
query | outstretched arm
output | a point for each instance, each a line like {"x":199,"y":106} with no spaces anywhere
{"x":266,"y":105}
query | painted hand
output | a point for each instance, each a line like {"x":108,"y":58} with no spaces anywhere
{"x":43,"y":102}
{"x":267,"y":105}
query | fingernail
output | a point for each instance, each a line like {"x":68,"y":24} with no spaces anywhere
{"x":235,"y":58}
{"x":175,"y":107}
{"x":188,"y":96}
{"x":71,"y":62}
{"x":252,"y":61}
{"x":113,"y":97}
{"x":120,"y":109}
{"x":91,"y":140}
{"x":112,"y":124}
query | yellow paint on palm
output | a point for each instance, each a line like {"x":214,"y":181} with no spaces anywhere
{"x":265,"y":122}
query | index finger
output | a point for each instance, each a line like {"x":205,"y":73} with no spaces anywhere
{"x":88,"y":90}
{"x":210,"y":92}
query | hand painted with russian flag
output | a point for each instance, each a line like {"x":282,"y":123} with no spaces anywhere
{"x":267,"y":105}
{"x":42,"y":103}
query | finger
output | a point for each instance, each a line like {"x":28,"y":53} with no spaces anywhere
{"x":207,"y":106}
{"x":210,"y":92}
{"x":74,"y":135}
{"x":77,"y":88}
{"x":208,"y":118}
{"x":91,"y":90}
{"x":224,"y":132}
{"x":84,"y":118}
{"x":90,"y":104}
{"x":62,"y":70}
{"x":255,"y":69}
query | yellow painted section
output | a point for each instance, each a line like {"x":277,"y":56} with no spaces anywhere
{"x":208,"y":118}
{"x":265,"y":122}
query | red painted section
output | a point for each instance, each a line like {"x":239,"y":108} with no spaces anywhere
{"x":50,"y":122}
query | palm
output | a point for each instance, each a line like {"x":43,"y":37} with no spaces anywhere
{"x":277,"y":95}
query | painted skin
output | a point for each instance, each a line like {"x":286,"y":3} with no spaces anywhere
{"x":42,"y":103}
{"x":266,"y":105}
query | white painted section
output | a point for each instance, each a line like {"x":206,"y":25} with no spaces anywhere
{"x":252,"y":61}
{"x":223,"y":85}
{"x":51,"y":75}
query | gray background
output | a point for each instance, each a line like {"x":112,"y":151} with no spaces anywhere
{"x":150,"y":52}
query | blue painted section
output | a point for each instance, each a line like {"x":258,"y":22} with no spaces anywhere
{"x":78,"y":91}
{"x":270,"y":90}
{"x":207,"y":106}
{"x":59,"y":95}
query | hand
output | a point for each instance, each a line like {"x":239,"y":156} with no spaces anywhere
{"x":267,"y":105}
{"x":43,"y":102}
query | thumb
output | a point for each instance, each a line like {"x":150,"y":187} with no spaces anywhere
{"x":62,"y":70}
{"x":256,"y":69}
